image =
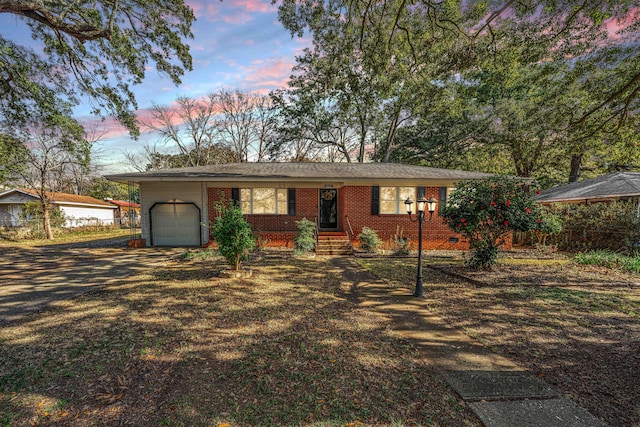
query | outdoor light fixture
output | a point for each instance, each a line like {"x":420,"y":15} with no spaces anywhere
{"x":430,"y":204}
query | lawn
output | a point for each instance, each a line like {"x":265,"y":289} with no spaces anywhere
{"x":9,"y":238}
{"x":179,"y":346}
{"x":577,"y":327}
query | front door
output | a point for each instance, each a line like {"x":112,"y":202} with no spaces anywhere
{"x":329,"y":209}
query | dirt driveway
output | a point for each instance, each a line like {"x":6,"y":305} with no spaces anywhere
{"x":31,"y":278}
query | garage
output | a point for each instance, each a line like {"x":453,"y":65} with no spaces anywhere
{"x":175,"y":224}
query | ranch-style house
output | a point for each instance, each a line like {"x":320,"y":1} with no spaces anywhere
{"x":341,"y":198}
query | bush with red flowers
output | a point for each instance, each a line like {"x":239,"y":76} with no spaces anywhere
{"x":486,"y":211}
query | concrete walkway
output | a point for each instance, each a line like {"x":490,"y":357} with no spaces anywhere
{"x":33,"y":278}
{"x":500,"y":392}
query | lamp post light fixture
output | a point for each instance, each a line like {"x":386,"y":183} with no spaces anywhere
{"x":430,"y":204}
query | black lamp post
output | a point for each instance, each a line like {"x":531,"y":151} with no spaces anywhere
{"x":431,"y":207}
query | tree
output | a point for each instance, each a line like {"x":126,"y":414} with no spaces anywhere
{"x":101,"y":188}
{"x":233,"y":234}
{"x":187,"y":126}
{"x":13,"y":155}
{"x":487,"y":211}
{"x":90,"y":49}
{"x":245,"y":123}
{"x":42,"y":157}
{"x":222,"y":127}
{"x":546,"y":80}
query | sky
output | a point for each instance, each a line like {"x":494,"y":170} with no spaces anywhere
{"x":237,"y":44}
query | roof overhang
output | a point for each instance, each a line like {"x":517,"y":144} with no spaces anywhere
{"x":316,"y":175}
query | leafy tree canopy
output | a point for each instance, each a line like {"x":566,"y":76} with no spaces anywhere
{"x":95,"y":50}
{"x":540,"y":84}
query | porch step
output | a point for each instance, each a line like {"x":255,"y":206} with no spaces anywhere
{"x":333,"y":243}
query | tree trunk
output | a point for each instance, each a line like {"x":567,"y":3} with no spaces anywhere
{"x":576,"y":163}
{"x":46,"y":222}
{"x":393,"y":127}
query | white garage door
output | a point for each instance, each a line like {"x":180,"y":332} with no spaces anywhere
{"x":175,"y":224}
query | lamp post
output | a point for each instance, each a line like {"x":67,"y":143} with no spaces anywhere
{"x":431,"y":208}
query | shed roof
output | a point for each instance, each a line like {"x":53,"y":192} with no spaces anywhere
{"x":308,"y":172}
{"x":607,"y":187}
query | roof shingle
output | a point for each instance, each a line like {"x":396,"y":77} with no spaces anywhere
{"x":348,"y":172}
{"x":611,"y":186}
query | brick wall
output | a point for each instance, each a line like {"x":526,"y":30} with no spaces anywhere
{"x":354,"y":203}
{"x":273,"y":230}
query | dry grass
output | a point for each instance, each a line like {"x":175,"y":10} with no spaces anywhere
{"x":10,"y":238}
{"x":183,"y":347}
{"x":578,"y":327}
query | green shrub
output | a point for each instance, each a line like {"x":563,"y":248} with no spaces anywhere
{"x":614,"y":226}
{"x":399,"y":243}
{"x":233,"y":234}
{"x":369,"y":240}
{"x":550,"y":225}
{"x":487,"y":211}
{"x":305,"y":239}
{"x":609,"y":259}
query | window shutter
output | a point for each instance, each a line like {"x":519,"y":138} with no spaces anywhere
{"x":291,"y":201}
{"x":442,"y":199}
{"x":422,"y":192}
{"x":235,"y":196}
{"x":375,"y":200}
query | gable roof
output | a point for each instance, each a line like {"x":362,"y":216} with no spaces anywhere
{"x":63,"y":198}
{"x":352,"y":173}
{"x":612,"y":186}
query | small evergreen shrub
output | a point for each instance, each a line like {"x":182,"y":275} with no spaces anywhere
{"x":233,"y":234}
{"x":399,"y":243}
{"x":369,"y":240}
{"x":305,"y":239}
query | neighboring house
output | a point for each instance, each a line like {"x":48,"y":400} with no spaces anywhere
{"x":126,"y":212}
{"x":340,"y":198}
{"x":607,"y":188}
{"x":78,"y":210}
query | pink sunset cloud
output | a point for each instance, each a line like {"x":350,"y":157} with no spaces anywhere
{"x":268,"y":74}
{"x":234,"y":12}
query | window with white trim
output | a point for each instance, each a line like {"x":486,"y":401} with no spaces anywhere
{"x":392,"y":199}
{"x":263,"y":201}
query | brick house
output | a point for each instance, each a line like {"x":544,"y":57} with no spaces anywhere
{"x":341,"y":198}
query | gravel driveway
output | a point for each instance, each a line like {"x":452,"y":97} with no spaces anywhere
{"x":33,"y":277}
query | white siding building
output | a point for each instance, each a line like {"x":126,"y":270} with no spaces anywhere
{"x":78,"y":210}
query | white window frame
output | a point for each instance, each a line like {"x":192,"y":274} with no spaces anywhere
{"x":399,"y":201}
{"x":281,"y":197}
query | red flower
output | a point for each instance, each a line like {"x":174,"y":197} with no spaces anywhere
{"x":506,"y":223}
{"x":528,"y":210}
{"x":493,"y":203}
{"x":537,"y":191}
{"x":508,"y":203}
{"x":539,"y":220}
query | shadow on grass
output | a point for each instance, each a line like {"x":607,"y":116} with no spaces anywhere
{"x":179,"y":346}
{"x":584,"y":341}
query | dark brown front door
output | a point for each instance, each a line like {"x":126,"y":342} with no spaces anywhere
{"x":329,"y":209}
